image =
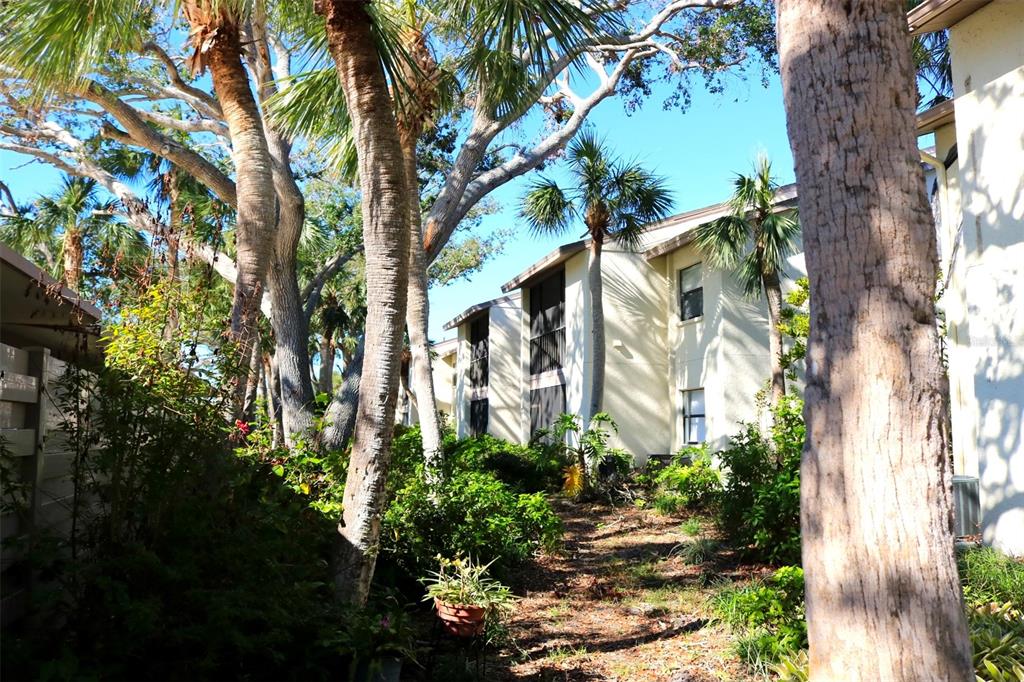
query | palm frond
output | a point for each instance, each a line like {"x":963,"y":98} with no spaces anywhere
{"x":748,"y":273}
{"x":56,"y":43}
{"x":546,"y":208}
{"x":723,"y":241}
{"x":779,"y":232}
{"x":637,"y":198}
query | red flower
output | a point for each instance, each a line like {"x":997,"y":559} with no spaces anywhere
{"x":242,"y":426}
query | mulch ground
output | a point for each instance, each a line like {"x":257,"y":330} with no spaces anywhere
{"x":623,"y":601}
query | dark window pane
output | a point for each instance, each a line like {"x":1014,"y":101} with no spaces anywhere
{"x":479,"y":350}
{"x":691,"y":304}
{"x":546,"y":404}
{"x":547,"y":324}
{"x":478,"y":417}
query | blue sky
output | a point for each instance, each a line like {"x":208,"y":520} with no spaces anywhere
{"x":698,"y":152}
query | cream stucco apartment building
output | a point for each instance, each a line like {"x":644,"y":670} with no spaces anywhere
{"x":979,"y":200}
{"x":687,"y":352}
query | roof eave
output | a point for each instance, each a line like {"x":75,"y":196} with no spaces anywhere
{"x":553,"y":259}
{"x":930,"y":120}
{"x":936,"y":15}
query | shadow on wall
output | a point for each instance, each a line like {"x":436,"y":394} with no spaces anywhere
{"x":993,"y":234}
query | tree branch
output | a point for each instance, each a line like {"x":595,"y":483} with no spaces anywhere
{"x":311,"y":292}
{"x":139,"y":133}
{"x":189,"y":92}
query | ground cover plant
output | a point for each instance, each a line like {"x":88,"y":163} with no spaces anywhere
{"x":689,"y":481}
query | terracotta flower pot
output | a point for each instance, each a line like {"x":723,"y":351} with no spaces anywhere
{"x":461,"y":620}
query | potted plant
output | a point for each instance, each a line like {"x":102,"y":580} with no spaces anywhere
{"x":465,"y":596}
{"x":377,"y":640}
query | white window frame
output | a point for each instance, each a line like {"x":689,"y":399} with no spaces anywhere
{"x":688,"y":415}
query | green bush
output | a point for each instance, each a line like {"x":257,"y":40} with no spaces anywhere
{"x":760,"y":507}
{"x":527,"y":468}
{"x":470,"y":513}
{"x":770,"y":616}
{"x":689,"y":482}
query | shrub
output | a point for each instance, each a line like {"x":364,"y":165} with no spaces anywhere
{"x":471,"y":513}
{"x":770,"y":615}
{"x":590,"y":463}
{"x":689,"y":482}
{"x":761,"y":494}
{"x":527,"y":468}
{"x":188,"y":562}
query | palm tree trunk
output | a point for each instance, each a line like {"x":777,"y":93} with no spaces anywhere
{"x":417,"y":319}
{"x":385,"y":237}
{"x":597,"y":323}
{"x":773,"y":293}
{"x":325,"y":383}
{"x":883,"y":594}
{"x":74,"y":255}
{"x":254,"y":184}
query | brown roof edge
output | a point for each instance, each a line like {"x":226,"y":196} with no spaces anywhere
{"x":783,"y":197}
{"x":556,"y":257}
{"x":474,"y":310}
{"x":37,"y":274}
{"x":929,"y":120}
{"x":936,"y":15}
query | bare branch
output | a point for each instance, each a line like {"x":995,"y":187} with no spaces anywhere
{"x":190,"y":92}
{"x":311,"y":292}
{"x":194,"y":125}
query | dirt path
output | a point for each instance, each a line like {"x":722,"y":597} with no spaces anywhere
{"x":627,"y":600}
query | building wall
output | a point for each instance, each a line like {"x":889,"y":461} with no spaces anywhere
{"x":988,"y":79}
{"x":443,"y":367}
{"x":505,"y":378}
{"x":636,"y":356}
{"x":460,"y":399}
{"x":578,"y":335}
{"x":725,"y":351}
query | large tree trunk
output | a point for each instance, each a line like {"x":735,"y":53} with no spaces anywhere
{"x":74,"y":255}
{"x":883,"y":597}
{"x":417,"y":320}
{"x":385,"y":238}
{"x":341,"y":413}
{"x":254,"y":185}
{"x":773,"y":294}
{"x":597,"y":323}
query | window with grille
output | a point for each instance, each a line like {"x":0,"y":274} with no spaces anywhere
{"x":547,"y":324}
{"x":691,"y":293}
{"x":479,"y":351}
{"x":694,"y":432}
{"x":478,"y":417}
{"x":546,"y":404}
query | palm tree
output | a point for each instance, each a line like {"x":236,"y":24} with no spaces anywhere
{"x":67,"y":224}
{"x":615,"y":200}
{"x":754,"y":241}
